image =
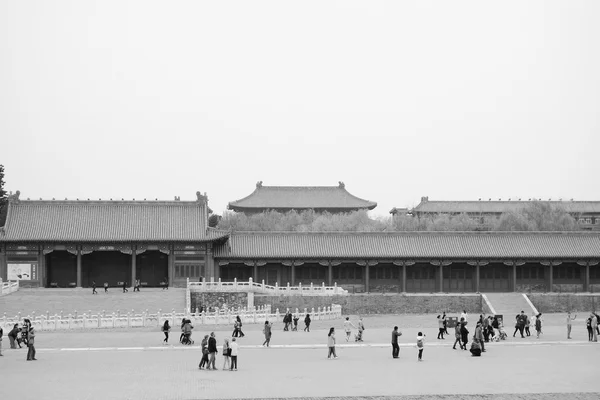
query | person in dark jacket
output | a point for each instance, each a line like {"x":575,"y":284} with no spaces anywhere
{"x":204,"y":347}
{"x":212,"y":351}
{"x":464,"y":333}
{"x":13,"y":336}
{"x":307,"y":323}
{"x":475,"y":348}
{"x":31,"y":344}
{"x":457,"y":336}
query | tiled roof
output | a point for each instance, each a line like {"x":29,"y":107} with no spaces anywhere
{"x":301,"y":197}
{"x":484,"y":206}
{"x":110,"y":221}
{"x":403,"y":245}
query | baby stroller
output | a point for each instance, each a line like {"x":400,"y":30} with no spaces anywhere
{"x":502,"y":335}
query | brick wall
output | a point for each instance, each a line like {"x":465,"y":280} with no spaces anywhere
{"x":218,"y":300}
{"x":378,"y":303}
{"x":557,"y":302}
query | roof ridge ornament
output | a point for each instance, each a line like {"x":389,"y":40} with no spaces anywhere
{"x":259,"y":184}
{"x":341,"y":185}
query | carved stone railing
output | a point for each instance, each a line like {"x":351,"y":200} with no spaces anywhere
{"x":8,"y":287}
{"x":89,"y":320}
{"x":251,"y":286}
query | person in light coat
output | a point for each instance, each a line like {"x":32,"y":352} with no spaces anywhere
{"x":234,"y":354}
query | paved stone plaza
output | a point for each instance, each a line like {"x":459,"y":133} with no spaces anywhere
{"x":120,"y":364}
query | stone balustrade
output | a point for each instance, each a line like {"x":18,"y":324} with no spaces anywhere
{"x":103,"y":320}
{"x":8,"y":287}
{"x":251,"y":286}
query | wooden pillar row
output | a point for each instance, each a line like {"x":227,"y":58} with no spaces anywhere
{"x":79,"y":274}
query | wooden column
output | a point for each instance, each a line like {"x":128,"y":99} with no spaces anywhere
{"x":3,"y":265}
{"x":293,"y":273}
{"x":367,"y":284}
{"x":255,"y":272}
{"x":586,"y":272}
{"x":550,"y":265}
{"x":403,"y":264}
{"x":329,"y":274}
{"x":514,"y":264}
{"x":477,"y":264}
{"x":170,"y":264}
{"x":79,"y":280}
{"x":210,"y":262}
{"x":440,"y":264}
{"x":133,"y":267}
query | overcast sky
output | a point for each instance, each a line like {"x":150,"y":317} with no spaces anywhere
{"x":446,"y":99}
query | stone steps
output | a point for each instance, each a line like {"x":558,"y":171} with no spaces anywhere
{"x":40,"y":301}
{"x":509,"y":304}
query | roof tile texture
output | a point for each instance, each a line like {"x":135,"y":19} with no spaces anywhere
{"x":301,"y":197}
{"x":106,"y":221}
{"x":483,"y":206}
{"x":411,"y":245}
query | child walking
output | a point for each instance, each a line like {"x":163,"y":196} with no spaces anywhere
{"x":296,"y":318}
{"x":420,"y":345}
{"x":166,"y":328}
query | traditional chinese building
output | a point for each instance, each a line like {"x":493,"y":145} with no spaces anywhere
{"x":333,"y":199}
{"x":74,"y":243}
{"x":416,"y":261}
{"x":587,"y":213}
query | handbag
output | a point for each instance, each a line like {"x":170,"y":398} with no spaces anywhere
{"x":229,"y":352}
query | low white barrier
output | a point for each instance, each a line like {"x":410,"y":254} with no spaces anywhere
{"x":250,"y":286}
{"x":8,"y":287}
{"x":256,"y":315}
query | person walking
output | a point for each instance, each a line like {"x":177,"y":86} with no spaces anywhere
{"x":125,"y":287}
{"x":594,"y":327}
{"x":212,"y":351}
{"x":420,"y":345}
{"x":226,"y":354}
{"x":1,"y":334}
{"x":485,"y":329}
{"x":234,"y":354}
{"x":538,"y":324}
{"x":395,"y":348}
{"x":361,"y":329}
{"x":445,"y":323}
{"x":520,"y":324}
{"x":166,"y":328}
{"x":457,"y":336}
{"x":204,"y":348}
{"x":13,"y":336}
{"x":296,"y":318}
{"x":569,"y":324}
{"x":267,"y":332}
{"x":588,"y":324}
{"x":236,"y":329}
{"x":331,"y":343}
{"x":347,"y":328}
{"x":105,"y":287}
{"x":94,"y":287}
{"x":307,"y":323}
{"x":239,"y":321}
{"x":464,"y":334}
{"x":136,"y":285}
{"x":479,"y":335}
{"x":464,"y":315}
{"x":166,"y":283}
{"x":441,"y":328}
{"x":31,"y":344}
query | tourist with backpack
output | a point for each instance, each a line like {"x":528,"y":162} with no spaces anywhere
{"x":420,"y":345}
{"x":538,"y":324}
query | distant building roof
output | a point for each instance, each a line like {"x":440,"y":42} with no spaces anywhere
{"x":417,"y":245}
{"x":107,"y":221}
{"x":494,"y":207}
{"x":335,"y":198}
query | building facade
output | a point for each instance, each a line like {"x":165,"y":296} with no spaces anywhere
{"x":332,"y":199}
{"x":586,"y":213}
{"x":75,"y":243}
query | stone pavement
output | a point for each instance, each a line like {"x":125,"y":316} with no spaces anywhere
{"x":129,"y":364}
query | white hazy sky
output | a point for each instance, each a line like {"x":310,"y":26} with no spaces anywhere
{"x":449,"y":99}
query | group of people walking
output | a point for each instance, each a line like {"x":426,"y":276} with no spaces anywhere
{"x":18,"y":335}
{"x":229,"y":350}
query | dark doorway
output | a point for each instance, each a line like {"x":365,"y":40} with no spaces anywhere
{"x":272,"y":276}
{"x":62,"y":269}
{"x":151,"y":268}
{"x":105,"y":266}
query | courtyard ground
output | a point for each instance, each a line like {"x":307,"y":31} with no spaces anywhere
{"x":128,"y":364}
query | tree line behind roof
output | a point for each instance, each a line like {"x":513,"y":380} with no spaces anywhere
{"x":535,"y":216}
